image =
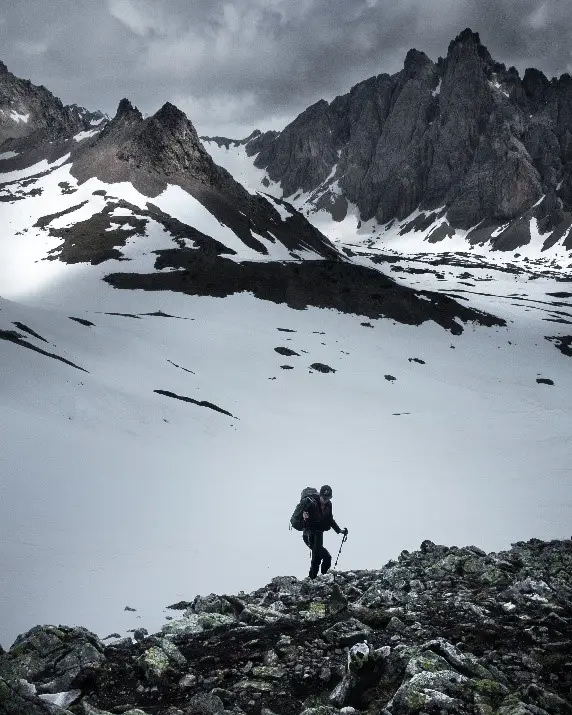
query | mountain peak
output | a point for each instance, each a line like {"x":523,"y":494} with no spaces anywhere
{"x":466,"y":36}
{"x":415,"y":61}
{"x":171,"y":116}
{"x":3,"y":68}
{"x":469,"y":40}
{"x":126,"y":109}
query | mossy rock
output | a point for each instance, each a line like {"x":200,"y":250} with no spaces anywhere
{"x":317,"y":609}
{"x":208,"y":621}
{"x":155,"y":662}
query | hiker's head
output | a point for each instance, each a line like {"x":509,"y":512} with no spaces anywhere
{"x":325,"y":493}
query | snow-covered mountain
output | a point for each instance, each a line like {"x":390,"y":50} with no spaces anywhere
{"x":457,"y":154}
{"x":180,"y":355}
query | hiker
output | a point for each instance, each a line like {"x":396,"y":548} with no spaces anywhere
{"x":317,"y":518}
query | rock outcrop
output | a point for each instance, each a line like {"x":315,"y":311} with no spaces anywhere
{"x":463,"y":135}
{"x":439,"y":630}
{"x":163,"y":150}
{"x":27,"y":110}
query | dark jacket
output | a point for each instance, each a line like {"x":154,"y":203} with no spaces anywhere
{"x":321,"y":517}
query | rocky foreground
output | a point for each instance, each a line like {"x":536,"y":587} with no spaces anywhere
{"x":440,"y":630}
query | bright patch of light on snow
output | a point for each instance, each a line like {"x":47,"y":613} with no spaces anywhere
{"x":284,"y":211}
{"x":236,"y":161}
{"x":8,"y":155}
{"x":177,"y":202}
{"x":86,"y":134}
{"x":437,"y":91}
{"x":24,"y":270}
{"x":39,"y":168}
{"x":499,"y":230}
{"x":17,"y":117}
{"x":120,"y":212}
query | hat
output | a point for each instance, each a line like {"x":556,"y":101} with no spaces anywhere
{"x":326,"y":491}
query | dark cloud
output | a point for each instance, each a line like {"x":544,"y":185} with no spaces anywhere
{"x":234,"y":66}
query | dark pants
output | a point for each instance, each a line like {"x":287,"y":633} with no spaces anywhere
{"x":314,"y":540}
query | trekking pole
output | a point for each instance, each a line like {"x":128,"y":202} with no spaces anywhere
{"x":340,"y":551}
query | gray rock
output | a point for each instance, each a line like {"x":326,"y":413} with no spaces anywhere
{"x":464,"y":133}
{"x":46,"y":116}
{"x":205,"y":704}
{"x":478,"y":634}
{"x":19,"y":698}
{"x":51,"y":657}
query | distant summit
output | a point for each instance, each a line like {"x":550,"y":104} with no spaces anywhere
{"x":464,"y":140}
{"x":28,"y":110}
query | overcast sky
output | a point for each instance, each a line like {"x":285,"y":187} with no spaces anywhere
{"x":235,"y":66}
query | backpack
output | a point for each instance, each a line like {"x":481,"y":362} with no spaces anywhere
{"x":309,"y":494}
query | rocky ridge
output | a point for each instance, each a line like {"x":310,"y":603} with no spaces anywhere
{"x":27,"y":110}
{"x":439,"y":630}
{"x":463,"y":139}
{"x":161,"y":151}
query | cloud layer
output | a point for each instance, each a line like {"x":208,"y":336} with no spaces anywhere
{"x":257,"y":63}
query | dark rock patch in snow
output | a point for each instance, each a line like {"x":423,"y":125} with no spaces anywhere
{"x":286,"y":351}
{"x":324,"y":284}
{"x":560,"y":294}
{"x":287,"y":367}
{"x":420,"y":222}
{"x":367,"y":325}
{"x":161,"y":314}
{"x":286,"y":330}
{"x":66,"y":187}
{"x":544,"y":381}
{"x":563,"y":343}
{"x":96,"y":239}
{"x":421,"y":362}
{"x":82,"y":321}
{"x":14,"y":337}
{"x":44,"y":221}
{"x":558,"y":320}
{"x":180,"y":368}
{"x":409,"y":269}
{"x":200,"y":403}
{"x":390,"y":378}
{"x":28,"y":330}
{"x":321,"y":367}
{"x":443,"y":231}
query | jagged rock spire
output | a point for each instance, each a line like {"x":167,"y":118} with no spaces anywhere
{"x":126,"y":109}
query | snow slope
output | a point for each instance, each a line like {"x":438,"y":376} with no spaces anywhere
{"x":154,"y":444}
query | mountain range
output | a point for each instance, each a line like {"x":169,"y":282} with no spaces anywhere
{"x":460,"y":146}
{"x":192,"y":330}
